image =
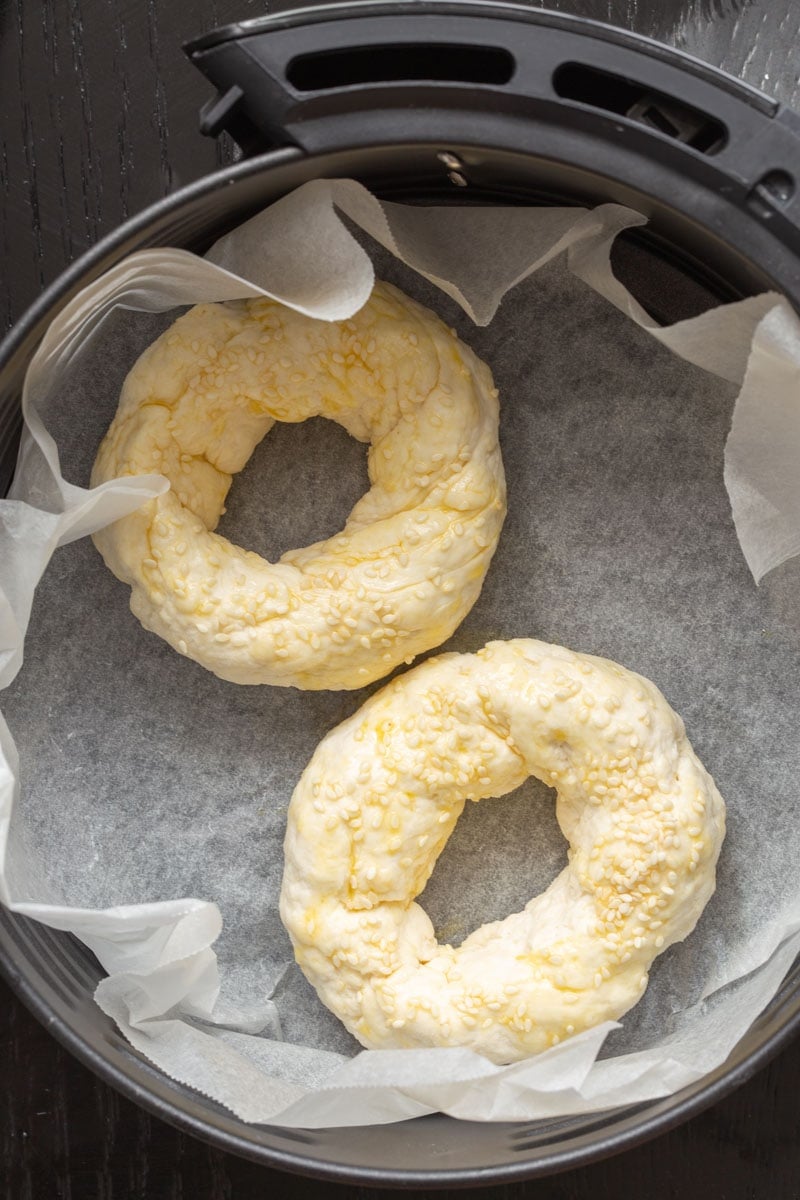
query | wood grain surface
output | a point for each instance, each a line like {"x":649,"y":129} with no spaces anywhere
{"x":98,"y":119}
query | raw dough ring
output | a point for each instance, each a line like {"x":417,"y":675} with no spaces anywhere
{"x":411,"y":559}
{"x":383,"y":791}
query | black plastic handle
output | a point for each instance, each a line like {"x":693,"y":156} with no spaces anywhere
{"x":352,"y":75}
{"x":280,"y":76}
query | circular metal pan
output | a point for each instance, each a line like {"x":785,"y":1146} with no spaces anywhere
{"x":703,"y":244}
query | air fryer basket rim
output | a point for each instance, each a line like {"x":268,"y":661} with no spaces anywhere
{"x":99,"y":1046}
{"x":138,"y":1083}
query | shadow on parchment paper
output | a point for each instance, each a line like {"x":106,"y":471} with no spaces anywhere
{"x":781,"y":588}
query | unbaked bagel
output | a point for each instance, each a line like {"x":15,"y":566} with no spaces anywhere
{"x":411,"y":559}
{"x":383,"y":791}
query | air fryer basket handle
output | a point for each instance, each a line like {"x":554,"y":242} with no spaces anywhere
{"x":461,"y":72}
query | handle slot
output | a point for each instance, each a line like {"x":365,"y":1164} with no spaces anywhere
{"x":613,"y":93}
{"x":327,"y":70}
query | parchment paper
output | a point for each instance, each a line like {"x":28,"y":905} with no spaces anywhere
{"x":144,"y":780}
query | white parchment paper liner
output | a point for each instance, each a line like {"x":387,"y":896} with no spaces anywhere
{"x":163,"y":982}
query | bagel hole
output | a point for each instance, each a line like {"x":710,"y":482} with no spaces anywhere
{"x":297,"y":488}
{"x":501,"y":854}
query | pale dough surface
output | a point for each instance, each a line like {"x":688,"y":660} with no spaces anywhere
{"x":383,"y":791}
{"x":411,"y":558}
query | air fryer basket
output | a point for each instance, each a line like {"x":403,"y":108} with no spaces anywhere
{"x":470,"y":103}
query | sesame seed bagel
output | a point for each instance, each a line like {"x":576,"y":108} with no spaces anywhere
{"x":383,"y":791}
{"x":411,"y":559}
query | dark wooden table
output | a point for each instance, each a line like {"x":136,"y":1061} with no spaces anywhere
{"x":98,"y":119}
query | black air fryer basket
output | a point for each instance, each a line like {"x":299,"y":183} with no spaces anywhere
{"x":454,"y":102}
